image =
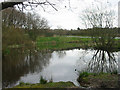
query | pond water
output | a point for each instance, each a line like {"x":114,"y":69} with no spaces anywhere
{"x":59,"y":65}
{"x":88,"y":37}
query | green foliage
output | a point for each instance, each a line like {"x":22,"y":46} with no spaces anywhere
{"x":42,"y":80}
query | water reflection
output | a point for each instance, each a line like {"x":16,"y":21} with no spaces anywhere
{"x":60,"y":65}
{"x":18,"y":64}
{"x":97,"y":61}
{"x":59,"y":68}
{"x":61,"y":54}
{"x":103,"y":61}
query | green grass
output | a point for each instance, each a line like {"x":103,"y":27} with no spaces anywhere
{"x":47,"y":85}
{"x":58,"y":43}
{"x":61,"y":42}
{"x":101,"y":80}
{"x":61,"y":39}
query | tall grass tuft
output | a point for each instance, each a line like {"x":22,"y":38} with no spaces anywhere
{"x":82,"y":75}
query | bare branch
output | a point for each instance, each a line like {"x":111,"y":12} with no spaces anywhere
{"x":51,"y":5}
{"x":24,"y":5}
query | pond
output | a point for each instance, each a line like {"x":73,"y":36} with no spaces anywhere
{"x":59,"y":65}
{"x":88,"y":37}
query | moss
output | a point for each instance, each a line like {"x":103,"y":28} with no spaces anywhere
{"x":47,"y":85}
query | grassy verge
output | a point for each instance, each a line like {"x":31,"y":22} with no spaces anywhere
{"x":102,"y":80}
{"x":58,"y":43}
{"x":62,"y":39}
{"x":47,"y":85}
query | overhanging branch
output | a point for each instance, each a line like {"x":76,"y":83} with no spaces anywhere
{"x":5,"y":5}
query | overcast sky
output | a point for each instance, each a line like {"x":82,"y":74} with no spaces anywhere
{"x":68,"y":14}
{"x":68,"y":17}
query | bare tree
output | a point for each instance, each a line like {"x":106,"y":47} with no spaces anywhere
{"x":10,"y":17}
{"x":101,"y":21}
{"x":98,"y":17}
{"x":29,"y":21}
{"x":34,"y":21}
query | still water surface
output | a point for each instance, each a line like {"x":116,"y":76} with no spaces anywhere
{"x":58,"y":65}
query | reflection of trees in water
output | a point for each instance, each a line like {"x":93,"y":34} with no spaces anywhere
{"x":17,"y":64}
{"x":103,"y":61}
{"x":97,"y":61}
{"x":36,"y":61}
{"x":61,"y":54}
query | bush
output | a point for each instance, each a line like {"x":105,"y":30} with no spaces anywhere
{"x":13,"y":38}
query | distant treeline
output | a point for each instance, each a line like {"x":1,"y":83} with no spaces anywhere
{"x":81,"y":32}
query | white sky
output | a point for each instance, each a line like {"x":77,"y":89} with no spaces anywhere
{"x":69,"y":18}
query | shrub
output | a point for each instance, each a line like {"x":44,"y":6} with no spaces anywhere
{"x":13,"y":38}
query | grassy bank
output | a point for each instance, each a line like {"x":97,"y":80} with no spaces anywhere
{"x":102,"y":80}
{"x":47,"y":85}
{"x":58,"y":43}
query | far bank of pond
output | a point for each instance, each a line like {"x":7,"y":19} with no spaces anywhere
{"x":59,"y":43}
